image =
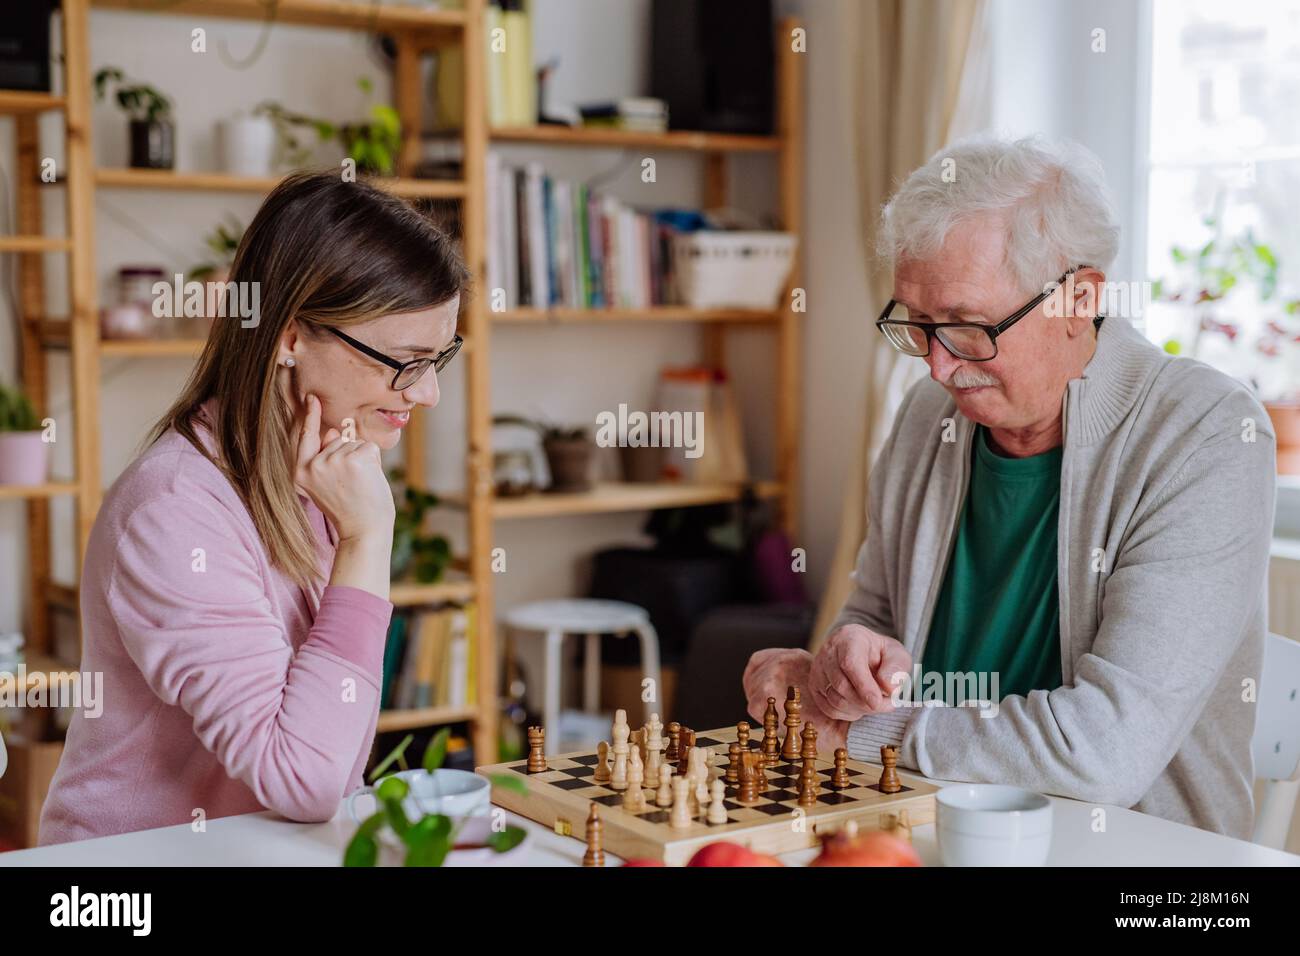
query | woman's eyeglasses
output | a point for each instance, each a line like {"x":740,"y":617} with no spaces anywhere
{"x":407,"y":373}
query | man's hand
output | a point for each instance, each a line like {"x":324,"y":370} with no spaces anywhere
{"x":852,"y":674}
{"x":769,"y":673}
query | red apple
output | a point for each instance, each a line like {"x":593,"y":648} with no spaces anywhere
{"x":731,"y":854}
{"x":866,"y":849}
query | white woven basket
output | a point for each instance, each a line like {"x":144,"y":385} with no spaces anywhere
{"x":732,"y":270}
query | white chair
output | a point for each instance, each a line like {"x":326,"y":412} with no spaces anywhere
{"x":592,"y":618}
{"x":1276,"y":744}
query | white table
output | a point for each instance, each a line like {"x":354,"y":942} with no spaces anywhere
{"x":264,"y":839}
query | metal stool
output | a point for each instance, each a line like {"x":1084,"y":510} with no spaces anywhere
{"x":555,"y":619}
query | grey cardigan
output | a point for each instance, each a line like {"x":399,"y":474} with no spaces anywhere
{"x":1168,"y":469}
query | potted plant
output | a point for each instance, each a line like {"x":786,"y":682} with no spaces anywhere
{"x":391,"y":835}
{"x":426,"y":556}
{"x":569,"y":452}
{"x":1241,"y":325}
{"x":152,"y":133}
{"x":373,"y":145}
{"x":223,"y":240}
{"x":24,"y":455}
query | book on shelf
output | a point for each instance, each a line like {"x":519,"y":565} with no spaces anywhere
{"x":555,"y":243}
{"x":430,"y":659}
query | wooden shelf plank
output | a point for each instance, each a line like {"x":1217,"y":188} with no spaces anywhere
{"x":48,"y":490}
{"x":317,"y":13}
{"x":423,"y":717}
{"x":28,"y":101}
{"x":410,"y":593}
{"x":35,"y":244}
{"x":657,"y":313}
{"x":614,"y":496}
{"x":128,"y":178}
{"x":672,"y":139}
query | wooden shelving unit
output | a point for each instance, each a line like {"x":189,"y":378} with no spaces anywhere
{"x":417,"y":32}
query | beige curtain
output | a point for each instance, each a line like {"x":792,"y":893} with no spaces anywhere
{"x":921,"y":80}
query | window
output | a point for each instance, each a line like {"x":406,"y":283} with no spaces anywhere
{"x":1223,"y":186}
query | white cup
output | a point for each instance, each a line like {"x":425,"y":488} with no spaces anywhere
{"x":992,"y":825}
{"x":453,"y":793}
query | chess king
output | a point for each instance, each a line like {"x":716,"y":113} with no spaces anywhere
{"x":1059,"y":503}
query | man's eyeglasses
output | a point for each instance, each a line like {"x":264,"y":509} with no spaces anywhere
{"x":968,"y":341}
{"x":407,"y":373}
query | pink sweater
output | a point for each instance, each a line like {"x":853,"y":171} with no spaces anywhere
{"x":227,"y":689}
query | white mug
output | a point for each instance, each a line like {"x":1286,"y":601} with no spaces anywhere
{"x":992,"y":825}
{"x":453,"y":793}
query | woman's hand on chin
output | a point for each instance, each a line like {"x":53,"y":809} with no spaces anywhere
{"x":344,"y":478}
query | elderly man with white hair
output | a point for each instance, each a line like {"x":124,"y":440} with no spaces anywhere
{"x":1060,"y":507}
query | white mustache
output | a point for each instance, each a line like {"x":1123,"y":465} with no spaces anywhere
{"x":971,"y":378}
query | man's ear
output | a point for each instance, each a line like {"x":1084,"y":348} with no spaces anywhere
{"x":1085,"y":288}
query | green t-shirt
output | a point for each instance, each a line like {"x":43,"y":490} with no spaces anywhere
{"x":998,"y":608}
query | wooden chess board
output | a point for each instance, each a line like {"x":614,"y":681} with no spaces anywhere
{"x":561,"y":796}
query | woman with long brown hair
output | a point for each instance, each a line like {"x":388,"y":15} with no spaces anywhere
{"x":235,"y":588}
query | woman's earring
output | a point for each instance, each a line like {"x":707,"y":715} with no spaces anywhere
{"x":289,"y":363}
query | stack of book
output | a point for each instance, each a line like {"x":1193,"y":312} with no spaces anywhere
{"x":643,"y":114}
{"x":557,"y":243}
{"x":430,"y":659}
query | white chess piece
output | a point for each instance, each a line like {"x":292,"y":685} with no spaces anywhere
{"x":717,"y":810}
{"x":679,"y":818}
{"x":634,"y":797}
{"x":664,"y":797}
{"x":654,"y":748}
{"x":620,"y":732}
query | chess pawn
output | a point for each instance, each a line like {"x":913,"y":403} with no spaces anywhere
{"x":664,"y":797}
{"x":889,"y":782}
{"x":679,"y":818}
{"x":809,"y":749}
{"x":742,"y":733}
{"x":808,"y":785}
{"x":840,"y":779}
{"x":595,"y":855}
{"x":702,"y":780}
{"x":717,"y":809}
{"x":618,"y":778}
{"x":602,"y":774}
{"x":733,"y":768}
{"x":673,"y":753}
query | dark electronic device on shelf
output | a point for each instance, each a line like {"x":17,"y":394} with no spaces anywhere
{"x":25,"y":46}
{"x":714,"y":64}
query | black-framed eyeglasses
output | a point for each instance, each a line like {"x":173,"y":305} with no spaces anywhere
{"x":407,"y":373}
{"x":968,"y":341}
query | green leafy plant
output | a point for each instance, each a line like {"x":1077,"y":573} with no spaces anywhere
{"x":16,"y":412}
{"x":373,"y":145}
{"x":223,"y":240}
{"x":428,"y":840}
{"x":139,"y":101}
{"x":1214,"y":277}
{"x":425,"y":555}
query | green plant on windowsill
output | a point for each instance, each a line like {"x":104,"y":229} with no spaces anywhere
{"x":428,"y":840}
{"x":372,"y":145}
{"x":424,"y":556}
